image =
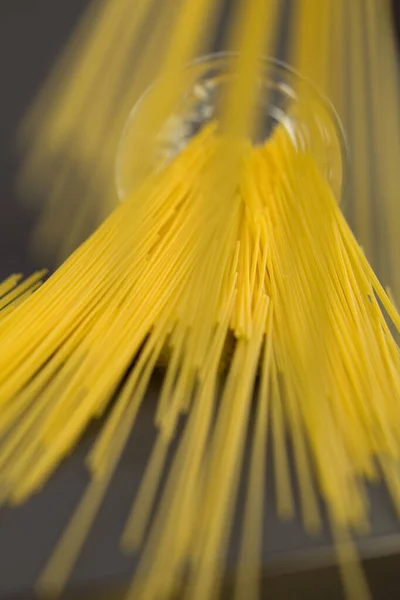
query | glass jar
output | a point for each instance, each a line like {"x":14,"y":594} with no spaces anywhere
{"x":284,"y":98}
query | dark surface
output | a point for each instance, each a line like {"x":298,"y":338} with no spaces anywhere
{"x":31,"y":34}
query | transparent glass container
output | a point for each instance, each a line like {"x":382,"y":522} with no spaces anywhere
{"x":284,"y":98}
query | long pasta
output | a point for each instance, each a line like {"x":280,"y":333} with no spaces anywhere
{"x":330,"y":394}
{"x":234,"y":262}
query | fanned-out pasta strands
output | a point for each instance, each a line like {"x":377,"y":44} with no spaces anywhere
{"x":266,"y":267}
{"x":51,"y":328}
{"x":229,"y":265}
{"x":132,"y":534}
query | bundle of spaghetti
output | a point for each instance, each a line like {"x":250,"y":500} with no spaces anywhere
{"x":319,"y":393}
{"x":90,"y":308}
{"x":89,"y":293}
{"x":227,"y":245}
{"x":334,"y":396}
{"x":194,"y":273}
{"x":349,"y":50}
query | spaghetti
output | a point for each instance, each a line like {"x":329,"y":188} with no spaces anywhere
{"x":228,"y":246}
{"x":246,"y":274}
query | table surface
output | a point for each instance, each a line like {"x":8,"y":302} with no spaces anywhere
{"x":31,"y":34}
